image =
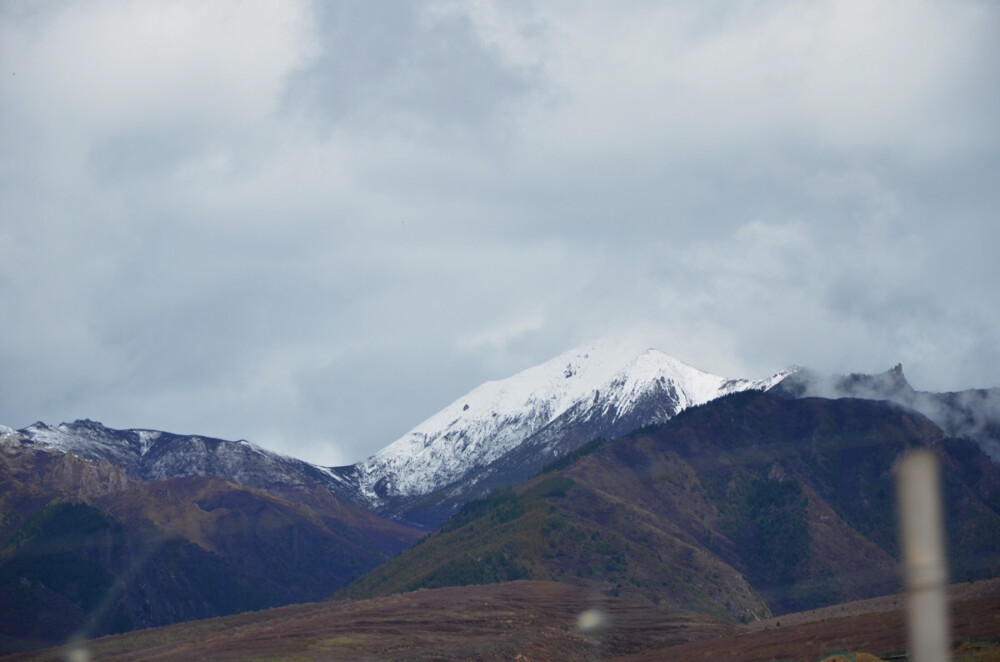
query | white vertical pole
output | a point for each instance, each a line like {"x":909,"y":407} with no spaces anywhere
{"x":921,"y":525}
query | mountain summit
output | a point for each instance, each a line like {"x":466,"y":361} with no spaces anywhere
{"x":505,"y":430}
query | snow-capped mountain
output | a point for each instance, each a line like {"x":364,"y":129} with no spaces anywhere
{"x":496,"y":435}
{"x":483,"y":424}
{"x":156,"y":455}
{"x":651,"y":389}
{"x":503,"y":431}
{"x":551,"y":408}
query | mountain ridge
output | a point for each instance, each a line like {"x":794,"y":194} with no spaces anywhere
{"x":157,"y":455}
{"x":506,"y":430}
{"x":538,"y":415}
{"x":495,"y":435}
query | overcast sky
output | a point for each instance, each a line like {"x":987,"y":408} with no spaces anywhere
{"x":312,"y":225}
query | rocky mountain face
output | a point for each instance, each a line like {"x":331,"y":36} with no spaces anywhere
{"x":156,"y":455}
{"x":743,"y":507}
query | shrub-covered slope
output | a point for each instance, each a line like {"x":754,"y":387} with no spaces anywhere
{"x":746,"y":505}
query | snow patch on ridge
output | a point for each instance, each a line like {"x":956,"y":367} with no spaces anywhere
{"x":146,"y":439}
{"x":8,"y":435}
{"x":654,"y":372}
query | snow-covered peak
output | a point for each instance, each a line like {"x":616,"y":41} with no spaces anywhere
{"x":554,"y":385}
{"x":693,"y":386}
{"x":487,"y":422}
{"x":497,"y":416}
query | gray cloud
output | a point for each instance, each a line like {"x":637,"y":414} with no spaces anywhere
{"x":312,"y":225}
{"x":399,"y":61}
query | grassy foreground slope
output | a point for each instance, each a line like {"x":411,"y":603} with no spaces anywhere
{"x":871,"y":630}
{"x":531,"y":621}
{"x":534,"y":620}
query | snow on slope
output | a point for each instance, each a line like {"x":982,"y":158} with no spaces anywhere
{"x":496,"y":417}
{"x":156,"y":455}
{"x":691,"y":386}
{"x":485,"y":423}
{"x":8,"y":435}
{"x":89,"y":439}
{"x":602,"y":389}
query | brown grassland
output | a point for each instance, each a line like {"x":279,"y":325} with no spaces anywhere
{"x":531,"y":620}
{"x":867,"y":628}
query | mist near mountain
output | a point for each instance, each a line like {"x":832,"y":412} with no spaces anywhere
{"x":972,"y":413}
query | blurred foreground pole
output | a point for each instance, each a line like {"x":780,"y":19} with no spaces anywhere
{"x":921,"y":524}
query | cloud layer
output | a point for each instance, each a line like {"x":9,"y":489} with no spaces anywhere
{"x":313,"y":225}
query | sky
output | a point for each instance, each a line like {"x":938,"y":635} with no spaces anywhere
{"x":314,"y":224}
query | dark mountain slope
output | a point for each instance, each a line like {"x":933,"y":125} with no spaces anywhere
{"x":749,"y":502}
{"x":75,"y":568}
{"x":609,"y":414}
{"x":616,"y":549}
{"x":83,"y":547}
